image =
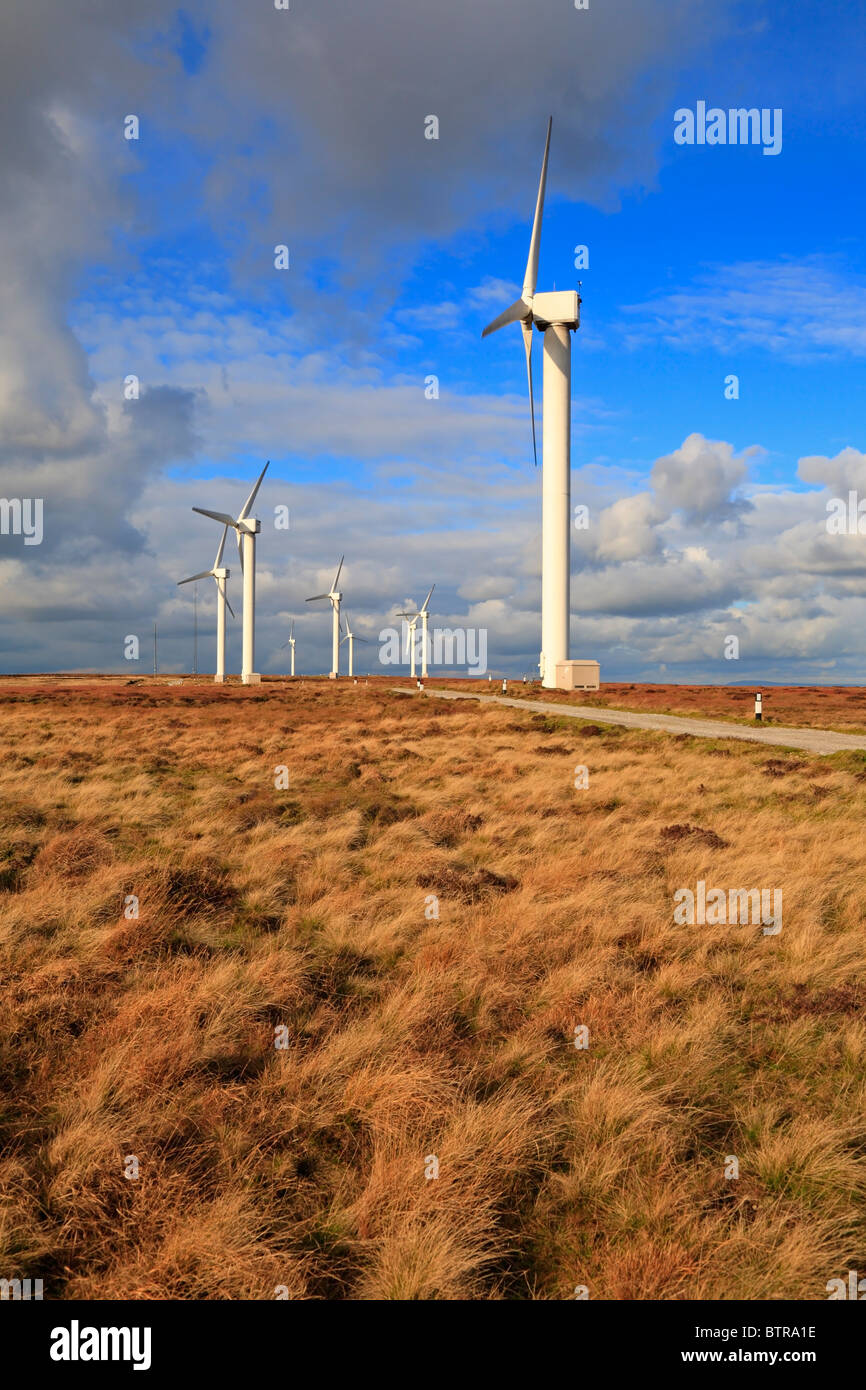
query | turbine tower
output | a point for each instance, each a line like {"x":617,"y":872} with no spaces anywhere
{"x":556,"y":315}
{"x":247,"y":528}
{"x":413,"y":623}
{"x":351,"y":639}
{"x":291,"y":643}
{"x":334,"y":595}
{"x":220,"y":574}
{"x":424,"y":616}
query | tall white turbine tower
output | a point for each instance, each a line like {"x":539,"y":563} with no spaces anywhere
{"x":247,"y":528}
{"x":556,"y":315}
{"x":335,"y":596}
{"x":291,"y":643}
{"x":351,"y":638}
{"x":220,"y":574}
{"x":424,"y":616}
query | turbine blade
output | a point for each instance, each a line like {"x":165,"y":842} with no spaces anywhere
{"x":531,"y":277}
{"x":317,"y":596}
{"x":205,"y":574}
{"x":429,"y":596}
{"x":527,"y":343}
{"x":252,"y":497}
{"x":518,"y":310}
{"x":337,"y":576}
{"x":219,"y":554}
{"x":292,"y":630}
{"x":241,"y":551}
{"x":217,"y":516}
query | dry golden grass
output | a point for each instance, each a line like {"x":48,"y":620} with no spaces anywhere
{"x":407,"y":1036}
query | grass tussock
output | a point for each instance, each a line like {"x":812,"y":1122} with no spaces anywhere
{"x":331,"y":1026}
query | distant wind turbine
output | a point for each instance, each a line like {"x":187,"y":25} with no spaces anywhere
{"x":291,"y":643}
{"x":219,"y":575}
{"x":556,"y":315}
{"x":335,"y":596}
{"x":247,"y":528}
{"x":413,"y":619}
{"x":351,"y":638}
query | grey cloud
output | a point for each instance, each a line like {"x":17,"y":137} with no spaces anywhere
{"x":847,"y":470}
{"x":365,"y":77}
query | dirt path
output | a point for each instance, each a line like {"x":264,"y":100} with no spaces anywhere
{"x":820,"y":741}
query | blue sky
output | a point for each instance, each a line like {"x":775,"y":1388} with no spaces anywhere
{"x":306,"y":128}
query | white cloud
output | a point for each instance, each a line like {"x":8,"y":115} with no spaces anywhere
{"x":797,"y":310}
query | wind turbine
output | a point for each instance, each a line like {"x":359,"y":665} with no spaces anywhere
{"x":291,"y":643}
{"x":556,"y":315}
{"x":247,"y":528}
{"x":424,"y":616}
{"x":351,"y":639}
{"x":220,"y":574}
{"x":334,"y":595}
{"x":413,"y":623}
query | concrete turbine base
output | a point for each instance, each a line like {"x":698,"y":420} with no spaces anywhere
{"x":251,"y":678}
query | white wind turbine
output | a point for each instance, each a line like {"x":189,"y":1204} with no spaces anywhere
{"x":247,"y":528}
{"x":351,"y":638}
{"x":413,"y":623}
{"x":413,"y":619}
{"x":555,"y":315}
{"x":220,"y":575}
{"x":335,"y":596}
{"x":291,"y":643}
{"x":424,"y":616}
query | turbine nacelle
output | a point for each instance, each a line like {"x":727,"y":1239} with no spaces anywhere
{"x":556,"y":307}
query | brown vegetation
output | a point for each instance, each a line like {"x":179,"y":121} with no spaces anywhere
{"x":303,"y":915}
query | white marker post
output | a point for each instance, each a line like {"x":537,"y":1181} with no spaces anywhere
{"x":758,"y":710}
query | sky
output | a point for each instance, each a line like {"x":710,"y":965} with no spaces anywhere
{"x":307,"y":127}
